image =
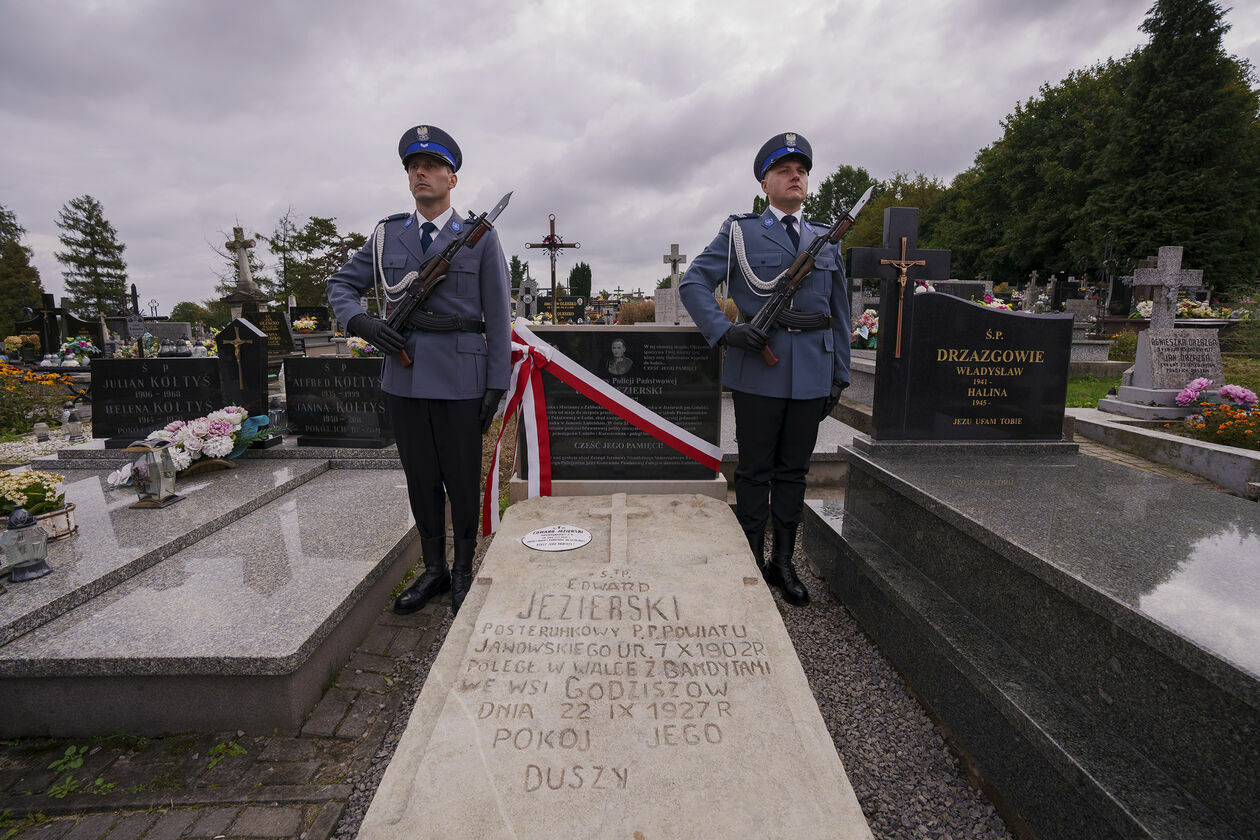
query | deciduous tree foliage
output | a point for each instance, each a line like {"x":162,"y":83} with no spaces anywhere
{"x":1183,"y":163}
{"x":94,"y":271}
{"x":19,"y":280}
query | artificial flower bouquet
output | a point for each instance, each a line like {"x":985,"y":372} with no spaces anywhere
{"x":80,"y":345}
{"x":305,"y":323}
{"x":225,"y":433}
{"x":1232,"y":419}
{"x":866,"y":331}
{"x":361,"y":349}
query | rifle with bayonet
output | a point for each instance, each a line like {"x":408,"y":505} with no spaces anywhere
{"x":791,"y":279}
{"x":434,"y":271}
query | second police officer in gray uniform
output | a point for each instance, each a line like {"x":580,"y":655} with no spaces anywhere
{"x":444,"y":402}
{"x":777,"y":409}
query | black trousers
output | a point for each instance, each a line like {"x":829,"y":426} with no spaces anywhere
{"x":439,"y":444}
{"x":776,"y":437}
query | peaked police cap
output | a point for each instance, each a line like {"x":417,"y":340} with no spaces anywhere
{"x":430,"y":140}
{"x":780,"y":146}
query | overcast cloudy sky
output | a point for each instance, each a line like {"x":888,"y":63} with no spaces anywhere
{"x":635,"y":123}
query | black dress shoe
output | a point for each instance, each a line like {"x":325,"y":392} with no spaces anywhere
{"x":461,"y":572}
{"x":780,"y":572}
{"x":429,"y":585}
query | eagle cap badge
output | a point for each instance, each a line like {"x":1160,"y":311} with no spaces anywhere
{"x":422,"y":133}
{"x":789,"y":139}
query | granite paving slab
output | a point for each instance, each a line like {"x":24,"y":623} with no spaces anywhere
{"x":1186,"y":580}
{"x":115,"y":542}
{"x":254,"y":597}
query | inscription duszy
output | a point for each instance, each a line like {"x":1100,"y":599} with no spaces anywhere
{"x":672,"y":372}
{"x":1178,"y":356}
{"x":336,"y":402}
{"x":598,"y":658}
{"x":132,"y":397}
{"x":970,"y":372}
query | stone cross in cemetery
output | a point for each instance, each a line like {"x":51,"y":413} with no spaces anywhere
{"x":552,"y":243}
{"x":581,"y":693}
{"x":899,"y":261}
{"x":241,"y":246}
{"x":674,"y":259}
{"x":1168,"y":277}
{"x":1031,"y":292}
{"x":527,"y":298}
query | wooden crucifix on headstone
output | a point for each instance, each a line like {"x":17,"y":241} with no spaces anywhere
{"x":1168,"y":277}
{"x":899,"y":261}
{"x":552,"y":243}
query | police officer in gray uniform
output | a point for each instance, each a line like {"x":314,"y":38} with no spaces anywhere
{"x":777,"y":409}
{"x":444,"y":402}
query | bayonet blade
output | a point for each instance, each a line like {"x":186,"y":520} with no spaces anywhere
{"x":861,"y":202}
{"x":498,"y":208}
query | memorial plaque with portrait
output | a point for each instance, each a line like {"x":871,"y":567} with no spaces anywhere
{"x":670,"y":370}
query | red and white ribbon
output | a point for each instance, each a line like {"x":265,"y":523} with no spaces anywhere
{"x":530,"y":357}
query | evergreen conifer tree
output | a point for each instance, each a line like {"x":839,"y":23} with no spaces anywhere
{"x":94,"y":271}
{"x":19,"y":280}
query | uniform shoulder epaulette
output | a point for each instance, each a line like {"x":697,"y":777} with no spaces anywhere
{"x":735,"y":216}
{"x":393,"y":218}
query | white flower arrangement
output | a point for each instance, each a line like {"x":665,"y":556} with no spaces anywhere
{"x":217,"y":435}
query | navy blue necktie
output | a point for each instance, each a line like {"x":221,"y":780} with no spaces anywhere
{"x":426,"y":235}
{"x":790,"y":222}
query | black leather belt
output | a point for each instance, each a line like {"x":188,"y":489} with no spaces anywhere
{"x":793,"y":320}
{"x":432,"y":322}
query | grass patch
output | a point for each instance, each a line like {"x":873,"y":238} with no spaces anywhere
{"x":1086,"y":391}
{"x":1242,"y":370}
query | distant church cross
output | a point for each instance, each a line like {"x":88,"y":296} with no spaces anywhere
{"x":552,"y":243}
{"x":619,"y":514}
{"x":239,"y":244}
{"x":1169,"y":274}
{"x":236,"y":343}
{"x":674,"y":259}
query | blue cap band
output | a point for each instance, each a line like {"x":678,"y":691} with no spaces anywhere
{"x":430,"y":149}
{"x":778,"y":153}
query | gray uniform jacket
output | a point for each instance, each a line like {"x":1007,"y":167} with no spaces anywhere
{"x":808,"y":361}
{"x":447,"y":365}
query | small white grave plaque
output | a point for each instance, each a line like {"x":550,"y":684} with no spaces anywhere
{"x":557,"y":538}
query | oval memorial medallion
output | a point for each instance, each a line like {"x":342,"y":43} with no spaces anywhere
{"x":557,"y":538}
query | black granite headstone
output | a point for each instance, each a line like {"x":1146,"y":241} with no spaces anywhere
{"x":671,"y":371}
{"x":279,"y":333}
{"x":569,"y":308}
{"x":971,"y":372}
{"x":336,"y":402}
{"x":92,"y":330}
{"x":965,"y":289}
{"x":132,"y":397}
{"x":323,"y":319}
{"x":242,"y":364}
{"x":44,"y":324}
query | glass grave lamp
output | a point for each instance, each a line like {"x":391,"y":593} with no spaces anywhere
{"x":153,"y":474}
{"x":26,"y":545}
{"x":72,"y":424}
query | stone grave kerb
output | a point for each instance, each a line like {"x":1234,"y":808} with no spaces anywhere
{"x":1167,"y":277}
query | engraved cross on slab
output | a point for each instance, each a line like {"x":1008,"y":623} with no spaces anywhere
{"x":899,"y":260}
{"x":619,"y":514}
{"x":1168,"y":274}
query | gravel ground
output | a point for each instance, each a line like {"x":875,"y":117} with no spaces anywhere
{"x":21,"y":451}
{"x":909,"y":784}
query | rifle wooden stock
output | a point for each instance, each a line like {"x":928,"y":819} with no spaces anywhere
{"x":767,"y":356}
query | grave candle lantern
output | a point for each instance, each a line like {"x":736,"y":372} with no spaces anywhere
{"x":153,"y":474}
{"x":26,"y":547}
